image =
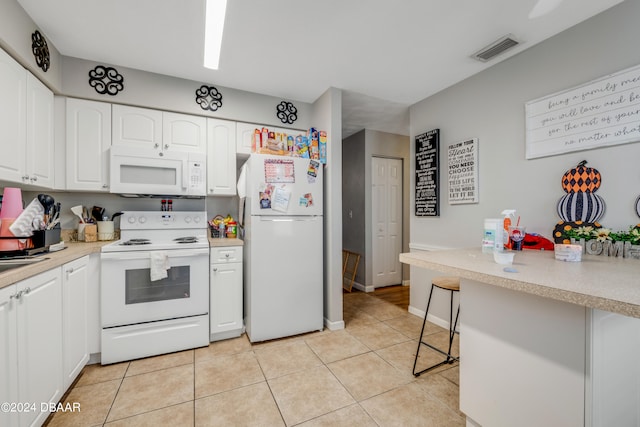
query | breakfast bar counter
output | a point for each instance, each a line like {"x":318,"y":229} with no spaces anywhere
{"x":542,"y":341}
{"x":605,"y":283}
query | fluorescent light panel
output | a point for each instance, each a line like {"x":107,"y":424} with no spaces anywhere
{"x":214,"y":25}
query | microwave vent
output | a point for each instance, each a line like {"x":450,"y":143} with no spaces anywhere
{"x":496,"y":48}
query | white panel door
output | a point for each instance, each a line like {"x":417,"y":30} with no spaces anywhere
{"x":136,"y":127}
{"x":13,"y":113}
{"x":183,"y":132}
{"x":75,"y":349}
{"x":386,"y":220}
{"x":88,"y":133}
{"x":8,"y":354}
{"x":221,"y":157}
{"x":40,"y":343}
{"x":39,"y":148}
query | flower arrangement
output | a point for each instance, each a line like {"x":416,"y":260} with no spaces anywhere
{"x":594,"y":231}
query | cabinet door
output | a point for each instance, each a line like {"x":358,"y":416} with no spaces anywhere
{"x":88,"y":133}
{"x":182,"y":132}
{"x":39,"y":147}
{"x":8,"y":354}
{"x":221,"y":157}
{"x":136,"y":127}
{"x":75,"y":350}
{"x":94,"y":331}
{"x":226,"y":300}
{"x":244,"y":134}
{"x":39,"y":311}
{"x":13,"y":113}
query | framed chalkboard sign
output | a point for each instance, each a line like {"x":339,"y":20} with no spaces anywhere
{"x":427,"y":173}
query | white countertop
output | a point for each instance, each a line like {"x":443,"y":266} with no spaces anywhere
{"x":605,"y":283}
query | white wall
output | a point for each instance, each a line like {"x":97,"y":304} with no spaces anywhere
{"x":16,"y":28}
{"x":490,"y":106}
{"x":327,"y":114}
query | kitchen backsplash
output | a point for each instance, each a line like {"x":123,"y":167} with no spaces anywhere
{"x":113,"y":203}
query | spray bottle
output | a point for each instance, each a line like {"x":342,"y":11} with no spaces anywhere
{"x":506,"y":223}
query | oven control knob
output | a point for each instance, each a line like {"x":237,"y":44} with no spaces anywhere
{"x":196,"y":219}
{"x":142,"y":220}
{"x":187,"y":219}
{"x":131,"y":220}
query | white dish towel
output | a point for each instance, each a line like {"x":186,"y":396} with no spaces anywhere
{"x":159,"y":265}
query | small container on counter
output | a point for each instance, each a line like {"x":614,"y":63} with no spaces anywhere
{"x":222,"y":230}
{"x":232,"y":230}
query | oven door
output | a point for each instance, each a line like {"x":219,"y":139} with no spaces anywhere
{"x":129,"y":296}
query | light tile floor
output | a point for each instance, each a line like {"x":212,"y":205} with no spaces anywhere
{"x":359,"y":376}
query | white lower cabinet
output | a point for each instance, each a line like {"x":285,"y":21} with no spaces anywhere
{"x":38,"y":303}
{"x":8,"y":354}
{"x":43,"y":340}
{"x":75,"y":292}
{"x":613,"y":375}
{"x":225,"y":308}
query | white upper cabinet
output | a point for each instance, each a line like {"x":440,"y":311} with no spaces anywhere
{"x":26,"y":123}
{"x":13,"y":118}
{"x":158,"y":131}
{"x":137,"y":127}
{"x":39,"y":158}
{"x":221,"y":157}
{"x":182,"y":132}
{"x":244,"y":134}
{"x":88,"y":138}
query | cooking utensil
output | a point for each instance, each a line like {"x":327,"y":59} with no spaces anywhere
{"x":115,"y":215}
{"x":77,"y":211}
{"x":97,"y":213}
{"x":47,"y":202}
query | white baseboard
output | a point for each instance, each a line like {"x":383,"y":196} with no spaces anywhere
{"x":406,"y":282}
{"x":333,"y":326}
{"x":433,"y":319}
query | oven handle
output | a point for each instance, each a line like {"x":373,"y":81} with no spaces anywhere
{"x":146,"y":254}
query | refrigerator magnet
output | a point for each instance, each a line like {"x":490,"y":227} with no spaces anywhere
{"x":265,"y":200}
{"x":312,"y":171}
{"x":306,"y":200}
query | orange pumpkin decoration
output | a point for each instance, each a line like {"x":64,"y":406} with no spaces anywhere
{"x":581,"y":179}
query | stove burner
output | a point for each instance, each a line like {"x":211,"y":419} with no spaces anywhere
{"x":132,"y":242}
{"x":188,"y":239}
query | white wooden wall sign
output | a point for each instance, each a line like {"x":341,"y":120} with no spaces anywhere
{"x":463,"y":172}
{"x":602,"y":112}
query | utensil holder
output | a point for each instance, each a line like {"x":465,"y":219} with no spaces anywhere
{"x":46,"y":238}
{"x":90,"y":233}
{"x":105,"y":230}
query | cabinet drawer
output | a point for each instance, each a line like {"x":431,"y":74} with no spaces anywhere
{"x":226,"y":254}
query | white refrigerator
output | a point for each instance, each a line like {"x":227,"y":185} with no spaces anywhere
{"x":281,"y":214}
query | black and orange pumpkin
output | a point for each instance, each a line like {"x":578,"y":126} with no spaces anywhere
{"x":580,"y":206}
{"x":581,"y":179}
{"x":580,"y":203}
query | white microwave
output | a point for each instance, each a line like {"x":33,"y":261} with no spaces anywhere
{"x":171,"y":173}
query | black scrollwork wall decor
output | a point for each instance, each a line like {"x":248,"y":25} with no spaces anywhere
{"x":287,"y":112}
{"x":209,"y":98}
{"x":106,"y":80}
{"x":40,"y":51}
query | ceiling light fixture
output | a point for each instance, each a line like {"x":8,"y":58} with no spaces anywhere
{"x":214,"y":25}
{"x":542,"y":7}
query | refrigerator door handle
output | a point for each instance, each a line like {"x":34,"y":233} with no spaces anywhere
{"x":290,"y":218}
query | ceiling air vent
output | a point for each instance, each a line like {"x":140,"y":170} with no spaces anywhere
{"x":495,"y":48}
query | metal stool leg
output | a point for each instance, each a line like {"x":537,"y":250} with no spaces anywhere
{"x":452,"y":331}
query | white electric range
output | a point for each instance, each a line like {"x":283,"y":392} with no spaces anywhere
{"x":155,"y":285}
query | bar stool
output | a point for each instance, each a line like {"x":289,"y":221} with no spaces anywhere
{"x":451,"y":284}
